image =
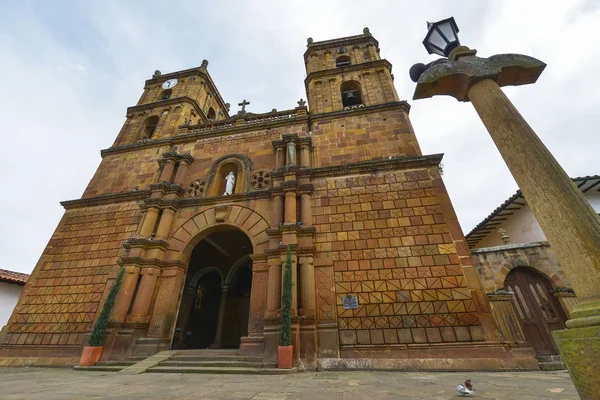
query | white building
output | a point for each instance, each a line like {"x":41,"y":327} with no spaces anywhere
{"x":11,"y":284}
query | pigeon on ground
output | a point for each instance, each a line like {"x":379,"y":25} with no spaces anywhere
{"x":466,"y":389}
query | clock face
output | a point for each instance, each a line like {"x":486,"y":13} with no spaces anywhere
{"x":169,"y":84}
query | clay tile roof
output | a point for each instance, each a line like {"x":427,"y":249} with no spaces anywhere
{"x":584,"y":183}
{"x":13,"y":277}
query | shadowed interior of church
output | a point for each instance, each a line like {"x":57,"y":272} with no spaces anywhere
{"x":215,"y":304}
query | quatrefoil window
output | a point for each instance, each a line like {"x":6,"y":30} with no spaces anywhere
{"x":260,"y":180}
{"x":196,"y":188}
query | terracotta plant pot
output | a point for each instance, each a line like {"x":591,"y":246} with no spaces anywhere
{"x":285,"y":355}
{"x":90,"y":355}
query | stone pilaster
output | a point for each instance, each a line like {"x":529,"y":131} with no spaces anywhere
{"x":143,"y":297}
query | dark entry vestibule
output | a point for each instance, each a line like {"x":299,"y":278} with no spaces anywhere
{"x":215,"y":303}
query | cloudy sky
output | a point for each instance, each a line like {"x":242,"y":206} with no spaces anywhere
{"x":71,"y":68}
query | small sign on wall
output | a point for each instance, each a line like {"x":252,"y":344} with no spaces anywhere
{"x":350,"y":302}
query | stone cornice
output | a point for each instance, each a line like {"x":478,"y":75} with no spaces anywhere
{"x":300,"y":230}
{"x":234,"y":198}
{"x":340,"y":42}
{"x":160,"y":203}
{"x":334,"y":72}
{"x":111,"y":198}
{"x":151,"y":261}
{"x":365,"y":167}
{"x":352,"y":112}
{"x":165,"y":103}
{"x":166,"y":187}
{"x":144,"y":243}
{"x":205,"y":134}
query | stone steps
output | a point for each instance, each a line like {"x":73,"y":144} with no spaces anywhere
{"x":100,"y":368}
{"x":230,"y":358}
{"x":214,"y":363}
{"x":551,"y":363}
{"x":222,"y":370}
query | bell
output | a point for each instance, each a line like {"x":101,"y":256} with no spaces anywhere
{"x":351,"y":99}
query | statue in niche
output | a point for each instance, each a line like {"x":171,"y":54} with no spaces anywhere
{"x":199,"y":296}
{"x":229,"y":184}
{"x":291,"y":153}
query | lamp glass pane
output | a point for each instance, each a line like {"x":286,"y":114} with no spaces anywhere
{"x":446,"y":28}
{"x":436,"y":39}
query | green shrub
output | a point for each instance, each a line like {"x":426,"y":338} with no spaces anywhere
{"x":99,"y":331}
{"x":285,"y":336}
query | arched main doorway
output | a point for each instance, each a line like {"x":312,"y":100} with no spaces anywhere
{"x":537,"y":308}
{"x":215,"y":304}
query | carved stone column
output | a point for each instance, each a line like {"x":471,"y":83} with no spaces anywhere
{"x":167,"y":298}
{"x":307,"y":285}
{"x":167,"y":171}
{"x":182,"y":170}
{"x":279,"y":157}
{"x":304,"y":156}
{"x":305,"y":208}
{"x":290,"y":207}
{"x":277,"y":210}
{"x":143,"y":297}
{"x":217,"y":342}
{"x":123,"y":300}
{"x":162,"y":232}
{"x":274,"y":287}
{"x":149,"y":222}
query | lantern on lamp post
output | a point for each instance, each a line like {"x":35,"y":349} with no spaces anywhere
{"x":442,"y":37}
{"x":570,"y":224}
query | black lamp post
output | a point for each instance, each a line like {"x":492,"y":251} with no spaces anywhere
{"x":570,"y":224}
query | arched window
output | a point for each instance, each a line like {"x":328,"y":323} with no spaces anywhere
{"x":166,"y":94}
{"x":211,"y":114}
{"x":351,"y":94}
{"x":343,"y":61}
{"x":150,"y":126}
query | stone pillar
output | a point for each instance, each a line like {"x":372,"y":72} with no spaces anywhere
{"x":566,"y":218}
{"x":167,"y":171}
{"x":149,"y":222}
{"x":165,"y":307}
{"x":123,"y":300}
{"x":279,"y":158}
{"x":277,"y":210}
{"x":162,"y":232}
{"x":305,"y":209}
{"x":217,"y":342}
{"x":304,"y":156}
{"x":290,"y":207}
{"x":307,"y":285}
{"x":274,"y":287}
{"x":143,"y":297}
{"x":181,"y":173}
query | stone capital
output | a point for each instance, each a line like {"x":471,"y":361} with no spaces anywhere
{"x":455,"y":78}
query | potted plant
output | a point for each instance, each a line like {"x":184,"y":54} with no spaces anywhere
{"x":91,"y":352}
{"x":285,"y":349}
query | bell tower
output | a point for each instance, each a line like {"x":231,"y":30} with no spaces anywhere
{"x":187,"y":97}
{"x":346,"y":73}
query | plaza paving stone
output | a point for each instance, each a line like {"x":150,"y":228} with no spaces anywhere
{"x":63,"y":384}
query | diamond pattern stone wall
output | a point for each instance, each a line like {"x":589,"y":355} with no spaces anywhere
{"x":390,"y":245}
{"x":60,"y":301}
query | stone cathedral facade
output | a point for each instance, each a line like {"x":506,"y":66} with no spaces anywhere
{"x":199,"y":205}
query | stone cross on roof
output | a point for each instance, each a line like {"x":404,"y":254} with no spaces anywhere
{"x":243,"y":104}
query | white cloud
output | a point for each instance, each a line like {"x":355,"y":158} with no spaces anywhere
{"x":71,"y":71}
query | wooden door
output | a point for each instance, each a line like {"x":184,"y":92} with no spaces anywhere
{"x":538,"y":310}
